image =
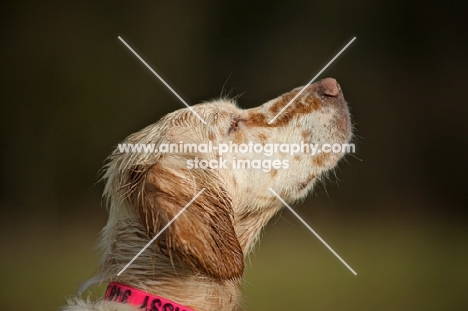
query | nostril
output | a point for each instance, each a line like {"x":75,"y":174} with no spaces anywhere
{"x":329,"y":87}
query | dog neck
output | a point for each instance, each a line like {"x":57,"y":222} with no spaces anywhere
{"x":125,"y":294}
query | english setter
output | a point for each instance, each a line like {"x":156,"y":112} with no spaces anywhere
{"x":197,"y":262}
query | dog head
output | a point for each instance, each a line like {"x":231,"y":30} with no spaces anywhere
{"x":215,"y":232}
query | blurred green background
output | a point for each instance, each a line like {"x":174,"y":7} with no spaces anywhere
{"x":396,"y":210}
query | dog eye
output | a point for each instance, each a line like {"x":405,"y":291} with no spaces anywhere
{"x":234,"y":125}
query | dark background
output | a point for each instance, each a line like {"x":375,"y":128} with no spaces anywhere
{"x":396,"y":210}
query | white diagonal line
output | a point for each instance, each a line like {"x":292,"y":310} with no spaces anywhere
{"x":312,"y":230}
{"x":311,"y":81}
{"x":161,"y":79}
{"x":159,"y":233}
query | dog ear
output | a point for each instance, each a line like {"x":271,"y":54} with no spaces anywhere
{"x":203,"y":235}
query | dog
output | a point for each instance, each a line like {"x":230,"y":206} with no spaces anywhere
{"x":197,"y":260}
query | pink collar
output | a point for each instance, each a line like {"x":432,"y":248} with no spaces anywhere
{"x":122,"y":293}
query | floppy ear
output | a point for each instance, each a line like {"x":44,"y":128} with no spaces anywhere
{"x":203,"y":235}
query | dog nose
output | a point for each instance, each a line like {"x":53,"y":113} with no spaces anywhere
{"x":329,"y":87}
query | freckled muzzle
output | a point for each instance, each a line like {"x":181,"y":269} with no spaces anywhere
{"x":322,"y":97}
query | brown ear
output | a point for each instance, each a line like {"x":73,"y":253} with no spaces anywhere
{"x":203,"y":235}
